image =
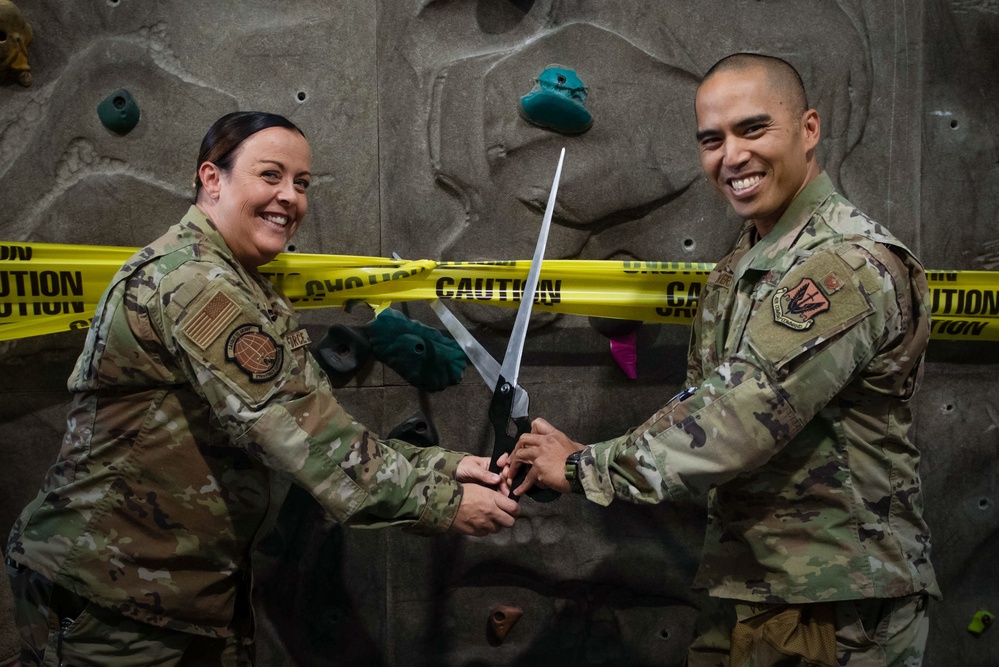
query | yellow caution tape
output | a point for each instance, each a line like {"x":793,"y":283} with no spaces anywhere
{"x":47,"y":288}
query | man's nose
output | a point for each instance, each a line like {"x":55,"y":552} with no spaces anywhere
{"x":736,"y":152}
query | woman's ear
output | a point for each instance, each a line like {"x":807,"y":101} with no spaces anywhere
{"x":211,"y":179}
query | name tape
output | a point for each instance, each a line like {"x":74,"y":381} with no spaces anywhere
{"x":47,"y":288}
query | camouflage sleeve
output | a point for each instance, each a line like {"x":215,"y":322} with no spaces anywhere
{"x":443,"y":460}
{"x":693,"y":363}
{"x":10,"y":643}
{"x":757,"y":400}
{"x":266,"y":393}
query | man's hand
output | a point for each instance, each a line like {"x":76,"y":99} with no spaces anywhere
{"x":544,"y":449}
{"x":483,"y":511}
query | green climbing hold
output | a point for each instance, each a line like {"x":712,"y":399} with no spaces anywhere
{"x":119,"y":112}
{"x":981,"y":622}
{"x":423,"y":356}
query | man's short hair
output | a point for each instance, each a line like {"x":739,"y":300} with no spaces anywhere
{"x":781,"y":74}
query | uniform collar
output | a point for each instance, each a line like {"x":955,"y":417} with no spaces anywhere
{"x":196,"y":221}
{"x":768,"y":251}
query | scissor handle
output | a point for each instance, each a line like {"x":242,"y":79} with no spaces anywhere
{"x":505,"y":441}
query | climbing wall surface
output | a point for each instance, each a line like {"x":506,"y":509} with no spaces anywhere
{"x":411,"y":109}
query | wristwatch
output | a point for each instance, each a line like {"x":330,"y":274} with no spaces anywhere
{"x":572,"y":471}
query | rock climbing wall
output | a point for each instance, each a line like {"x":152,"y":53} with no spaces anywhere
{"x":411,"y":108}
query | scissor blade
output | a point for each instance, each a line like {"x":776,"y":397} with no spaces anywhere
{"x":484,"y":363}
{"x":510,"y":369}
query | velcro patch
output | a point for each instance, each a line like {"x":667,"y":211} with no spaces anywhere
{"x":804,"y":313}
{"x":832,"y":283}
{"x":297,"y":339}
{"x":797,"y":307}
{"x":254,"y":352}
{"x":206,"y":324}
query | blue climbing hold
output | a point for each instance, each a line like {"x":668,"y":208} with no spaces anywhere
{"x":556,"y":102}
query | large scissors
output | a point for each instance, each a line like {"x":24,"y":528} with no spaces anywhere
{"x":509,"y":405}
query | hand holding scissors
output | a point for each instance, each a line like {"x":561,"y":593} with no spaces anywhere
{"x":509,"y":405}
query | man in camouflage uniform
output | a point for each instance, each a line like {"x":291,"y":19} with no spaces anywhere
{"x":806,"y":351}
{"x":196,"y":404}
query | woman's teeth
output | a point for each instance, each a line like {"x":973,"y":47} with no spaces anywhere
{"x":276,"y":219}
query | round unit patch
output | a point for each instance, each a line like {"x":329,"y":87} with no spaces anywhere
{"x":255,"y":352}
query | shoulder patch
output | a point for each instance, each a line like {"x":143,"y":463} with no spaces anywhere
{"x":814,"y":301}
{"x":255,"y":352}
{"x":211,"y":319}
{"x":797,"y":307}
{"x":224,"y":332}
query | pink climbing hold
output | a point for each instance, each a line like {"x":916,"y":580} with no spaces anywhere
{"x":624,"y":349}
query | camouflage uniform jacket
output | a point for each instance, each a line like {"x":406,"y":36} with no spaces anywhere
{"x":806,"y":351}
{"x":10,"y":638}
{"x":195,"y":400}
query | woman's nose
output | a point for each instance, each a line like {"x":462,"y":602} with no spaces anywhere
{"x":287,"y":192}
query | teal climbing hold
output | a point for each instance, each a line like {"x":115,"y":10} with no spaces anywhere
{"x":423,"y":356}
{"x":119,"y":112}
{"x":557,"y":102}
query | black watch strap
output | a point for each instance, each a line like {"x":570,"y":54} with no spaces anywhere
{"x":572,"y":471}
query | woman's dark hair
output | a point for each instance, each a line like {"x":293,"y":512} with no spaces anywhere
{"x":228,"y":133}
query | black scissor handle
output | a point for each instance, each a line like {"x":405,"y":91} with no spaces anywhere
{"x":507,"y":430}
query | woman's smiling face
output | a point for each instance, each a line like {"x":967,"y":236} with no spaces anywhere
{"x":258,"y":205}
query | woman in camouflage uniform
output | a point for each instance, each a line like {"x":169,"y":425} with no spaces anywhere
{"x":196,"y":404}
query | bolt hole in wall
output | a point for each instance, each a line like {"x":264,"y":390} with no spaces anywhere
{"x":984,"y":504}
{"x":301,"y":96}
{"x":664,"y":635}
{"x":291,"y":248}
{"x":688,"y":245}
{"x":948,"y":408}
{"x":113,"y":3}
{"x":953,"y":124}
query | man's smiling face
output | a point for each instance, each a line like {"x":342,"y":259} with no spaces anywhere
{"x":756,"y":149}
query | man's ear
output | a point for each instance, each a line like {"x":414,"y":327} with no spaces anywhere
{"x":811,"y":128}
{"x":211,"y":179}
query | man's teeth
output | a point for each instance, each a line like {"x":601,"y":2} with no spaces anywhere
{"x":276,"y":219}
{"x":739,"y":184}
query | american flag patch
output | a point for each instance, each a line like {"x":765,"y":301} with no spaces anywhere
{"x":206,"y":325}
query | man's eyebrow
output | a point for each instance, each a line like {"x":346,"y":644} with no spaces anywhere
{"x":704,"y":134}
{"x":754,"y":120}
{"x":741,"y":125}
